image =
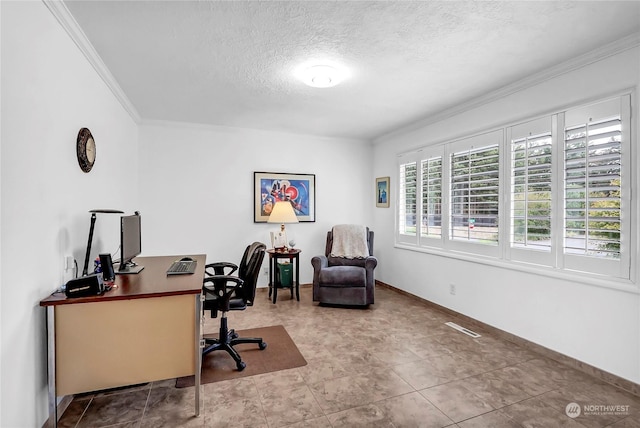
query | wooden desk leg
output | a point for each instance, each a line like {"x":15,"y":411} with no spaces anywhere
{"x":198,"y":354}
{"x":51,"y":366}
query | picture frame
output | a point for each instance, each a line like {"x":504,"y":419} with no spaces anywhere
{"x":278,"y":239}
{"x":271,"y":187}
{"x":382,"y":192}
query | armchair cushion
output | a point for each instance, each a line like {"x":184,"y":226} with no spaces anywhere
{"x":343,"y":276}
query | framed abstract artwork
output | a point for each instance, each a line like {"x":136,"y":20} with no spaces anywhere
{"x":271,"y":187}
{"x":382,"y":192}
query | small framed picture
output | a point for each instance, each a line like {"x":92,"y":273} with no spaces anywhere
{"x":382,"y":192}
{"x":278,"y":239}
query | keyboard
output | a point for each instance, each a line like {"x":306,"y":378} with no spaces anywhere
{"x":180,"y":267}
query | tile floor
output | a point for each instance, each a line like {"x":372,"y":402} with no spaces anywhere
{"x":393,"y":365}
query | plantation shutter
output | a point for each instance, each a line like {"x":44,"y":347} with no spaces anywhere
{"x":407,"y":206}
{"x":597,"y":188}
{"x":475,"y":194}
{"x":531,"y":185}
{"x":431,"y":223}
{"x":592,"y":187}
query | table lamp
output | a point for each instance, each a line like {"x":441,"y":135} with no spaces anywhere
{"x":85,"y":269}
{"x":283,"y":213}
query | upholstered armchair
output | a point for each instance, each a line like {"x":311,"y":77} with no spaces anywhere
{"x":345,"y":280}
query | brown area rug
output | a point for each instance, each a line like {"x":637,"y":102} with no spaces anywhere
{"x":280,"y":354}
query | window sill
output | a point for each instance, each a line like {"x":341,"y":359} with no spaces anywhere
{"x":574,"y":276}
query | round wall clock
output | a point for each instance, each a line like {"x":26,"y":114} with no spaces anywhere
{"x":86,"y":149}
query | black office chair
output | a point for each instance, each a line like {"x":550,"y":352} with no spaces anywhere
{"x":218,"y":268}
{"x":224,"y":292}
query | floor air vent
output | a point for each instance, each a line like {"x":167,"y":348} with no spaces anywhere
{"x":462,"y":329}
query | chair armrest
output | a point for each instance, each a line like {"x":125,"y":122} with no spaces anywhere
{"x":218,"y":285}
{"x":319,"y":262}
{"x":218,"y":268}
{"x":370,"y":263}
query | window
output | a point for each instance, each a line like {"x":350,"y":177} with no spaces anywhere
{"x":408,"y":199}
{"x":595,"y":154}
{"x":420,"y":197}
{"x":592,"y":188}
{"x":431,"y":172}
{"x":531,"y":192}
{"x":566,"y":200}
{"x":475,"y":195}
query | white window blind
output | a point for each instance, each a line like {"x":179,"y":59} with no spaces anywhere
{"x":558,"y":199}
{"x":531,"y":185}
{"x":592,"y":187}
{"x":475,"y":195}
{"x":431,"y":171}
{"x":407,"y":204}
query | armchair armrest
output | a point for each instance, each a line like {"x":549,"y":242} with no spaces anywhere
{"x":319,"y":262}
{"x":370,"y":263}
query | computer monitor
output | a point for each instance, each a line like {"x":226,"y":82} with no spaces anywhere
{"x":130,"y":243}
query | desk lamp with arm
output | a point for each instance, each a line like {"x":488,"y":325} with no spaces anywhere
{"x":85,"y":268}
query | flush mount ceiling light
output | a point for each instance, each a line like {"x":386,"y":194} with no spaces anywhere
{"x":321,"y":75}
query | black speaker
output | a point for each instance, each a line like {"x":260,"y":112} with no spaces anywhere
{"x":90,"y":285}
{"x":107,"y":267}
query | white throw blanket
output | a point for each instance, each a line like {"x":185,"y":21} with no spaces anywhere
{"x":350,"y":241}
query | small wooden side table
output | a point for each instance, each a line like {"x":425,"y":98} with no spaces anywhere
{"x":274,"y":276}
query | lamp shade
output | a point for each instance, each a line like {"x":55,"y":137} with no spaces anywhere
{"x":282,"y":213}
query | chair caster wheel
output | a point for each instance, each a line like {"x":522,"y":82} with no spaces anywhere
{"x":241,"y":366}
{"x":262,"y":345}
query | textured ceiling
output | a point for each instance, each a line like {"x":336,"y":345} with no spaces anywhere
{"x":231,"y":63}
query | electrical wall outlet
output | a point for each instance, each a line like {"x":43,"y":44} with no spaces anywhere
{"x":452,"y":289}
{"x":68,"y":263}
{"x":69,"y":269}
{"x":265,"y":271}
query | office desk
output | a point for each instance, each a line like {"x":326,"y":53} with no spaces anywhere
{"x":145,"y":329}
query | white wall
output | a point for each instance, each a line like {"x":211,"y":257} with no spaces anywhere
{"x":597,"y":325}
{"x":49,"y":91}
{"x":0,"y":215}
{"x":210,"y":169}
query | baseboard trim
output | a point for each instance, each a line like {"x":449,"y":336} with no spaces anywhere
{"x":62,"y":406}
{"x":469,"y":322}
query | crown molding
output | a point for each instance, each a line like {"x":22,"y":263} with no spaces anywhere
{"x":608,"y":50}
{"x":162,"y":123}
{"x":59,"y":10}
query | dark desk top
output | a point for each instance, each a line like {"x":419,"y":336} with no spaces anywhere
{"x":152,"y":281}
